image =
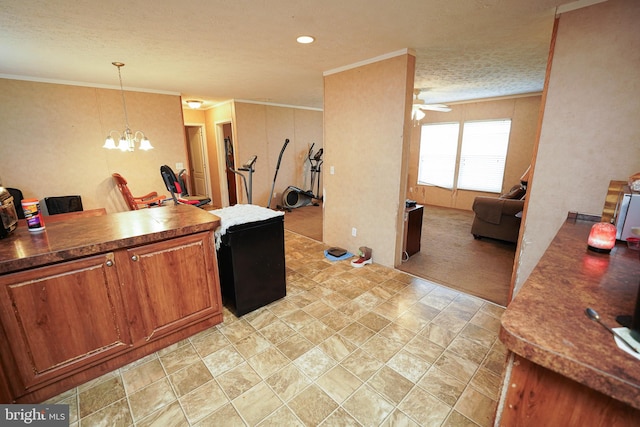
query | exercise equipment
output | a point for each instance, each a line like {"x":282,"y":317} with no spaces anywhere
{"x":294,"y":197}
{"x":286,"y":142}
{"x":248,"y":167}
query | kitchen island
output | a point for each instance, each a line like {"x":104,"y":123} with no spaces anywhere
{"x":563,"y":368}
{"x":89,"y":295}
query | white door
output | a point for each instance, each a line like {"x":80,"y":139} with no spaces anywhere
{"x":196,"y":157}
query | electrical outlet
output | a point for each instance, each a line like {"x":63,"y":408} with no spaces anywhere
{"x":354,"y":231}
{"x":179,"y":166}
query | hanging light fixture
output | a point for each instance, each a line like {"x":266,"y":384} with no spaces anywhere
{"x":128,"y":139}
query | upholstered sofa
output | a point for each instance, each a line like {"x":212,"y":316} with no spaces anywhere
{"x":499,"y":217}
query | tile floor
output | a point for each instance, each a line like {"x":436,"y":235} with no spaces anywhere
{"x":346,"y":347}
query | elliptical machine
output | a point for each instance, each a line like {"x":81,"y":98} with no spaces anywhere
{"x":294,"y":197}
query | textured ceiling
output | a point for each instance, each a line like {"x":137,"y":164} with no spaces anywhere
{"x":245,"y":49}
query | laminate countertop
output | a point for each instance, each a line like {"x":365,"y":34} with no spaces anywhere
{"x":546,"y":322}
{"x":78,"y":237}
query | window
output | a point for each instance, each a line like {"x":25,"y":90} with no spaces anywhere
{"x":483,"y":155}
{"x":483,"y":152}
{"x":438,"y":151}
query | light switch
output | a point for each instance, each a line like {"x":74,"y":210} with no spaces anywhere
{"x":179,"y":167}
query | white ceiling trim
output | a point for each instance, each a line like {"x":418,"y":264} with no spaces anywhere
{"x":85,"y":84}
{"x":579,"y":4}
{"x":406,"y":51}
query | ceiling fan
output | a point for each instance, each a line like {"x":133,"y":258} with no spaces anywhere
{"x":419,"y":105}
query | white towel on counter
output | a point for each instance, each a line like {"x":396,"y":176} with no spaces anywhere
{"x":240,"y":214}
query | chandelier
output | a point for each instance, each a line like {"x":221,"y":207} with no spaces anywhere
{"x":127,"y":139}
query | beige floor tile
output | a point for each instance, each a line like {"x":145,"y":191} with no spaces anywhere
{"x":314,"y":363}
{"x":456,"y":365}
{"x":257,"y":403}
{"x":237,"y":330}
{"x":277,"y":331}
{"x":203,"y":401}
{"x":260,"y":318}
{"x":288,"y":382}
{"x":337,"y":347}
{"x":468,"y":349}
{"x":339,"y":383}
{"x":252,"y":345}
{"x":268,"y":362}
{"x":476,"y":406}
{"x":168,"y":416}
{"x":238,"y":380}
{"x":495,"y":360}
{"x":408,"y":365}
{"x":353,"y":310}
{"x":115,"y":415}
{"x":223,"y":360}
{"x":456,"y":419}
{"x":424,"y":348}
{"x":190,"y":378}
{"x":295,"y":346}
{"x":312,"y":405}
{"x":340,"y":418}
{"x":336,"y":320}
{"x":357,"y":333}
{"x":227,"y":413}
{"x":210,"y":343}
{"x":395,"y":332}
{"x":316,"y":332}
{"x":390,"y":384}
{"x":361,"y":364}
{"x":399,"y":419}
{"x":374,"y":321}
{"x":480,"y":335}
{"x":141,"y":376}
{"x":296,"y":320}
{"x":368,"y":407}
{"x":282,"y":417}
{"x":179,"y":359}
{"x":151,"y":398}
{"x":101,"y":395}
{"x":381,"y":348}
{"x":442,"y":385}
{"x":318,"y":309}
{"x":424,"y":408}
{"x":487,"y":383}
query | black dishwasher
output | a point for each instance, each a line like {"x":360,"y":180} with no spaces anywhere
{"x":251,"y":265}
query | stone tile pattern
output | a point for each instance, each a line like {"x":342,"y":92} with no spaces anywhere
{"x":368,"y":346}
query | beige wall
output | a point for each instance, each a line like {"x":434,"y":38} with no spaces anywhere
{"x":261,"y":130}
{"x":523,"y":112}
{"x":52,"y":134}
{"x":367,"y":134}
{"x":590,"y":132}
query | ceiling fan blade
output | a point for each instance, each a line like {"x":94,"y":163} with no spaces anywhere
{"x":435,"y":107}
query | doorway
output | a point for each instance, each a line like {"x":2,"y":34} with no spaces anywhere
{"x":198,"y":178}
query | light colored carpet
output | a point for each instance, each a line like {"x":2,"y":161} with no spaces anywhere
{"x":449,"y":255}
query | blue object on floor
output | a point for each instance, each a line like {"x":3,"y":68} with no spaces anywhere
{"x":333,"y":258}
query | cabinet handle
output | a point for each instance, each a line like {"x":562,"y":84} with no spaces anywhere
{"x":109,"y":263}
{"x":134,"y":258}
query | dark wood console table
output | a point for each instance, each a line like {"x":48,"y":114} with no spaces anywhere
{"x":412,"y":229}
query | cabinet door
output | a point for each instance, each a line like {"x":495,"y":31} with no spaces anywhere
{"x":172,"y":284}
{"x":62,"y":317}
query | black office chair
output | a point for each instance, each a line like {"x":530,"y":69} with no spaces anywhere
{"x":178,"y":194}
{"x":63,"y":204}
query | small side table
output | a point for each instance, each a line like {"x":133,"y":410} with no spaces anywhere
{"x":412,"y":229}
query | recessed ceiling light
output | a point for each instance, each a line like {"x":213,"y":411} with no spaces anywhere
{"x":305,"y":39}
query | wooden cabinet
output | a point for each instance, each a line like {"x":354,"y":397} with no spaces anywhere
{"x":65,"y":323}
{"x":169,"y":285}
{"x":62,"y":317}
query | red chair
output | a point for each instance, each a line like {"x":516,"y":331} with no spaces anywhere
{"x":135,"y":203}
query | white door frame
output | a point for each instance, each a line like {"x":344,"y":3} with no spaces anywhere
{"x":222,"y":162}
{"x":205,"y":154}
